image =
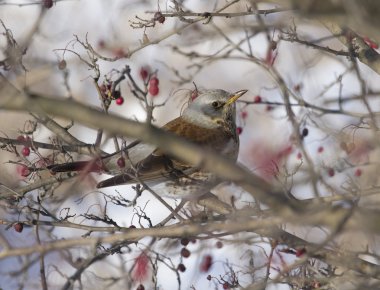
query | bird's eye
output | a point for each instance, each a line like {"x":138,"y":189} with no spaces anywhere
{"x":215,"y":104}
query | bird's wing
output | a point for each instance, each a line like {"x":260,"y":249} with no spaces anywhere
{"x":154,"y":169}
{"x":158,"y":166}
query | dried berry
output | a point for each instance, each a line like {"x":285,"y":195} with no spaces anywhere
{"x":206,"y":263}
{"x":121,"y":162}
{"x":185,"y":253}
{"x":219,"y":244}
{"x":18,"y":227}
{"x":62,"y":64}
{"x":47,"y":3}
{"x":159,"y":17}
{"x":184,"y":241}
{"x":181,"y":268}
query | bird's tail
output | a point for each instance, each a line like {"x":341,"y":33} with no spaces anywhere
{"x":88,"y":166}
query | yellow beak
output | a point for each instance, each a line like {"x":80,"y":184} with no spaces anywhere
{"x":235,"y":96}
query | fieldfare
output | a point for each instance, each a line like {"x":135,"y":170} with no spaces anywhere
{"x":209,"y":121}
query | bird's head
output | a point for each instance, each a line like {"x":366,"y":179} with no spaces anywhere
{"x":213,"y":108}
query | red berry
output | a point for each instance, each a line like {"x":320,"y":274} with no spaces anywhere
{"x":184,"y":241}
{"x":358,"y":172}
{"x":257,"y":99}
{"x":269,"y":108}
{"x":140,"y":287}
{"x":23,"y":170}
{"x":154,"y":82}
{"x":121,"y":162}
{"x":299,"y":155}
{"x":331,"y":172}
{"x":239,"y":130}
{"x":320,"y":149}
{"x":20,"y":138}
{"x":300,"y":252}
{"x":144,"y":73}
{"x":119,"y":101}
{"x":185,"y":253}
{"x":25,"y":151}
{"x":209,"y":277}
{"x":370,"y":43}
{"x":18,"y":227}
{"x":219,"y":244}
{"x":47,"y":3}
{"x":153,"y":90}
{"x":159,"y":17}
{"x":194,"y":95}
{"x":206,"y":263}
{"x":193,"y":240}
{"x":181,"y":268}
{"x":244,"y":114}
{"x":226,"y":285}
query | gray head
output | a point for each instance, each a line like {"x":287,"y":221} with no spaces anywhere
{"x":213,"y":108}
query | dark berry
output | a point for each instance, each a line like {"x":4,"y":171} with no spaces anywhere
{"x":226,"y":285}
{"x":320,"y":149}
{"x":18,"y":227}
{"x":140,"y":287}
{"x":331,"y":172}
{"x":121,"y":162}
{"x":206,"y":263}
{"x":184,"y":241}
{"x":219,"y":244}
{"x":62,"y":64}
{"x":159,"y":17}
{"x":209,"y":277}
{"x":47,"y":3}
{"x":185,"y":253}
{"x":305,"y":132}
{"x":181,"y":268}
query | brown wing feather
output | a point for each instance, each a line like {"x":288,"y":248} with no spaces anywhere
{"x":159,"y":165}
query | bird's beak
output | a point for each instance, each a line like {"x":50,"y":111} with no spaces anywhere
{"x":235,"y":96}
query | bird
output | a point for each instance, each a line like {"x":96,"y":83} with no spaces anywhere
{"x":208,"y":121}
